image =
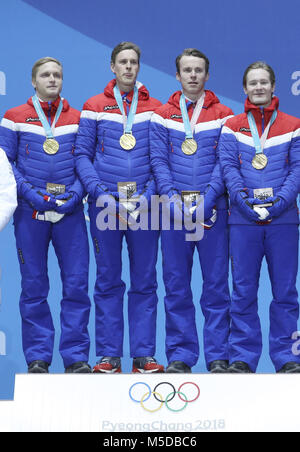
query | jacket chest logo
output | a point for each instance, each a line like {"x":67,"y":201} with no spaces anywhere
{"x":110,"y":107}
{"x":32,"y":120}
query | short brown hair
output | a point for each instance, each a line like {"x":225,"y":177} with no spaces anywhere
{"x":195,"y":53}
{"x":125,"y":45}
{"x":42,"y":61}
{"x":259,"y":65}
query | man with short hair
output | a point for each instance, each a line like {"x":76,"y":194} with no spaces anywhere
{"x":38,"y":138}
{"x":184,"y":134}
{"x":8,"y":191}
{"x":112,"y":150}
{"x":260,"y":157}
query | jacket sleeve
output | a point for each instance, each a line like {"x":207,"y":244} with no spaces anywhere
{"x":291,"y":186}
{"x":78,"y":188}
{"x":228,"y":152}
{"x":217,"y":180}
{"x":149,"y":188}
{"x":8,"y":190}
{"x":85,"y":149}
{"x":159,"y":150}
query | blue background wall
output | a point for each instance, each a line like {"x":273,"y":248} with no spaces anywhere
{"x":232,"y":33}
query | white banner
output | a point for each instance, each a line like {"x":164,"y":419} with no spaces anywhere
{"x":153,"y":403}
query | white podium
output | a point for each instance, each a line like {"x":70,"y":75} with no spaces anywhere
{"x":127,"y":403}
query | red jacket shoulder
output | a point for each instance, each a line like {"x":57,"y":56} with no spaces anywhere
{"x":73,"y":115}
{"x":18,"y":114}
{"x":237,"y":122}
{"x":98,"y":102}
{"x":223,"y":110}
{"x":167,"y":110}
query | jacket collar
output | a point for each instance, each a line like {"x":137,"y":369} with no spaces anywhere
{"x":143,"y":92}
{"x":210,"y":99}
{"x":256,"y":108}
{"x":54,"y":105}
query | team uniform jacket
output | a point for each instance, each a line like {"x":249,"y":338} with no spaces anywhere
{"x":249,"y":243}
{"x":101,"y":126}
{"x":22,"y":136}
{"x":8,"y":191}
{"x":282,"y":148}
{"x":172,"y":168}
{"x":102,"y":161}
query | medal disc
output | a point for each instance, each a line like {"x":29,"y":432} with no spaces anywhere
{"x":259,"y":161}
{"x":127,"y":141}
{"x":51,"y":146}
{"x":189,"y":146}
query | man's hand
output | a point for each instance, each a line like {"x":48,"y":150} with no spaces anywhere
{"x":40,"y":200}
{"x":277,"y":208}
{"x":71,"y":199}
{"x":210,"y":199}
{"x":245,"y":205}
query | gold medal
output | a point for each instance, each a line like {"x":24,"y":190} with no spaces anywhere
{"x":189,"y":146}
{"x":51,"y":146}
{"x":259,"y":161}
{"x":127,"y":141}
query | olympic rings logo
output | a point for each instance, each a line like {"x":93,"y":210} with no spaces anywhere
{"x":168,"y":398}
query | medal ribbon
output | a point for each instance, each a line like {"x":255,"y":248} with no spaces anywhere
{"x":127,"y":121}
{"x":189,"y":126}
{"x":49,"y":130}
{"x":259,"y":142}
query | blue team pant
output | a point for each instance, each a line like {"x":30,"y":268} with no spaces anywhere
{"x":181,"y":333}
{"x":248,"y":246}
{"x":70,"y":242}
{"x":110,"y":289}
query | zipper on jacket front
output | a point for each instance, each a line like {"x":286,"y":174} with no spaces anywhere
{"x":262,"y":120}
{"x":126,"y":104}
{"x":194,"y":171}
{"x":129,"y":163}
{"x":49,"y":112}
{"x":52,"y":173}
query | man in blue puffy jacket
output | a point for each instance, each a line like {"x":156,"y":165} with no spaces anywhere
{"x":38,"y":138}
{"x":113,"y":163}
{"x":184,"y":134}
{"x":260,"y":156}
